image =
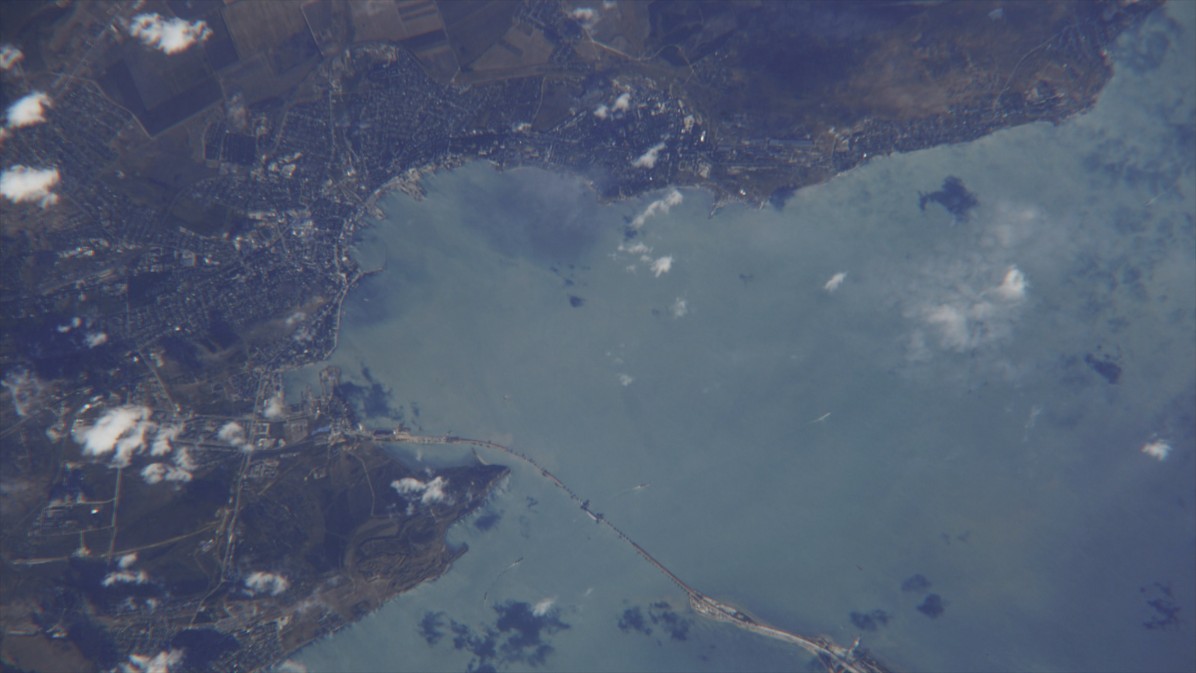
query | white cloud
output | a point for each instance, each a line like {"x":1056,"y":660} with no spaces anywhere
{"x":163,"y":440}
{"x":127,"y":560}
{"x":291,"y":666}
{"x":648,"y":159}
{"x":1013,"y":285}
{"x":662,"y":265}
{"x":275,"y":407}
{"x":259,"y":582}
{"x":622,"y":104}
{"x":124,"y":433}
{"x":28,"y":110}
{"x":125,"y":577}
{"x":121,"y":431}
{"x":234,"y":434}
{"x":625,"y":380}
{"x":157,"y":472}
{"x":660,"y":206}
{"x":24,"y":388}
{"x":679,"y":308}
{"x":960,"y":327}
{"x":968,"y":319}
{"x":542,"y":607}
{"x":95,"y":339}
{"x":9,"y":56}
{"x":170,"y":36}
{"x":430,"y":492}
{"x":584,"y":15}
{"x":162,"y":662}
{"x":22,"y":183}
{"x":835,"y":281}
{"x":182,"y":459}
{"x":1156,"y":449}
{"x":408,"y":486}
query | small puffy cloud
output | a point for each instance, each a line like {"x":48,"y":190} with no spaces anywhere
{"x":679,"y":308}
{"x":625,"y":380}
{"x":660,"y":206}
{"x":648,"y":158}
{"x":275,"y":407}
{"x":24,"y":388}
{"x":234,"y":434}
{"x":835,"y":281}
{"x":953,"y":325}
{"x":583,"y":15}
{"x":95,"y":339}
{"x":163,"y":440}
{"x":161,"y":662}
{"x":125,"y":577}
{"x":408,"y":486}
{"x":542,"y":607}
{"x":1013,"y":285}
{"x":662,"y":265}
{"x":120,"y":431}
{"x":22,"y":183}
{"x":155,"y":473}
{"x":28,"y":110}
{"x":182,"y":459}
{"x":621,"y":105}
{"x":430,"y":492}
{"x":1157,"y":449}
{"x":124,"y":432}
{"x":169,"y":36}
{"x":435,"y":491}
{"x":127,"y":560}
{"x":259,"y":582}
{"x":962,"y":313}
{"x":9,"y":56}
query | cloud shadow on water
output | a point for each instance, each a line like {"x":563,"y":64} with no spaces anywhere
{"x":519,"y":636}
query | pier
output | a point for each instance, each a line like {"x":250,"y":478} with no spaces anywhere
{"x":836,"y":658}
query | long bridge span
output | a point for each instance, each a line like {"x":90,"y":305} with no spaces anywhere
{"x":836,"y":658}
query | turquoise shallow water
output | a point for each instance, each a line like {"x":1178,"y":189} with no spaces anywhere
{"x":967,"y":440}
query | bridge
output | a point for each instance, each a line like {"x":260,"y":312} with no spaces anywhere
{"x":835,"y":657}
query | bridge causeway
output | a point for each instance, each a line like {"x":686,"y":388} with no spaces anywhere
{"x":835,"y":657}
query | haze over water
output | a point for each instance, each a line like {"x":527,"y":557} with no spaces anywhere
{"x":967,"y":441}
